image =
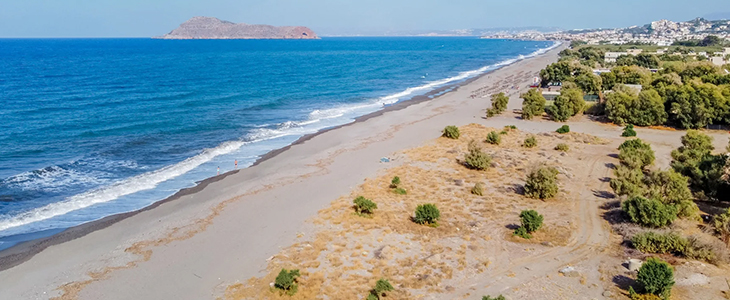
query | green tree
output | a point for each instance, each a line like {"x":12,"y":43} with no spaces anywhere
{"x":568,"y":104}
{"x":634,"y":153}
{"x":628,"y":131}
{"x":656,"y":277}
{"x":494,"y":138}
{"x":628,"y":181}
{"x":721,"y":223}
{"x":499,"y":102}
{"x":531,"y":220}
{"x":556,"y":72}
{"x":696,"y":105}
{"x":648,"y":61}
{"x":649,"y":213}
{"x":533,"y":104}
{"x":589,"y":83}
{"x":626,"y":60}
{"x":672,"y":188}
{"x":286,"y":281}
{"x":364,"y":206}
{"x":451,"y":132}
{"x":644,"y":109}
{"x":427,"y":214}
{"x":542,"y":183}
{"x":476,"y":158}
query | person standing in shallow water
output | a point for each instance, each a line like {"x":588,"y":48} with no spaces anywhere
{"x":235,"y":164}
{"x":219,"y":171}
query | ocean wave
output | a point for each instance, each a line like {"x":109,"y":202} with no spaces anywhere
{"x":53,"y":179}
{"x":111,"y":192}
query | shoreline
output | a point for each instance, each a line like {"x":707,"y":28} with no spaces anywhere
{"x":23,"y":251}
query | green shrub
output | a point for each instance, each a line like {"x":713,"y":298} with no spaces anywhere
{"x":395,"y":182}
{"x":522,"y":232}
{"x":531,"y":220}
{"x":628,"y":131}
{"x":494,"y":138}
{"x":530,"y":142}
{"x":492,"y":112}
{"x":649,"y":213}
{"x":400,"y":191}
{"x":364,"y":206}
{"x":721,"y":223}
{"x":503,"y":132}
{"x":499,"y":102}
{"x":500,"y":297}
{"x":634,"y":153}
{"x":476,"y":159}
{"x":628,"y":181}
{"x":286,"y":281}
{"x":478,"y":189}
{"x":542,"y":183}
{"x":670,"y":187}
{"x":661,"y":243}
{"x":427,"y":214}
{"x":511,"y":127}
{"x":380,"y":288}
{"x":625,"y":105}
{"x":562,"y":147}
{"x":451,"y":132}
{"x":563,"y":129}
{"x":533,"y":104}
{"x":656,"y":277}
{"x":372,"y":296}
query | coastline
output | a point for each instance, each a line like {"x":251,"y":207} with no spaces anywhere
{"x":23,"y":252}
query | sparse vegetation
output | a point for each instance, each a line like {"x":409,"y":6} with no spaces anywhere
{"x":530,"y":221}
{"x":476,"y":158}
{"x":395,"y":185}
{"x":563,"y":129}
{"x":672,"y":243}
{"x":400,"y":191}
{"x":721,"y":223}
{"x":695,"y":160}
{"x":562,"y":147}
{"x":381,"y":286}
{"x":530,"y":142}
{"x":364,"y":206}
{"x":542,"y":183}
{"x":500,"y":297}
{"x":494,"y":138}
{"x":451,"y":132}
{"x":478,"y":189}
{"x":286,"y":281}
{"x":629,"y":131}
{"x":427,"y":214}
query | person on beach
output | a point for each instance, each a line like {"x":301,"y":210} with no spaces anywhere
{"x":219,"y":171}
{"x":235,"y":163}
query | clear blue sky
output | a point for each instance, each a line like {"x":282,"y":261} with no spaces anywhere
{"x":144,"y":18}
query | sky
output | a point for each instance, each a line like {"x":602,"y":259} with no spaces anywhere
{"x":145,"y":18}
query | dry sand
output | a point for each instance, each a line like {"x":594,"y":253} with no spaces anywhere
{"x":202,"y":244}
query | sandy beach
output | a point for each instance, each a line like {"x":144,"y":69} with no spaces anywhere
{"x":224,"y":231}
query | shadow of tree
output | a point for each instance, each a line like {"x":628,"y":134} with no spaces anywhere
{"x":614,"y":155}
{"x":512,"y":226}
{"x":604,"y":194}
{"x":518,"y":189}
{"x":605,"y":179}
{"x":623,"y":282}
{"x":611,"y":166}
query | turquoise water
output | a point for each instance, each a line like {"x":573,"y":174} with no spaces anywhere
{"x":94,"y":127}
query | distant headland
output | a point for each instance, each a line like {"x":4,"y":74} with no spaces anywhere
{"x":214,"y":28}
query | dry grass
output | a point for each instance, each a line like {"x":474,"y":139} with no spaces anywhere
{"x":349,"y":253}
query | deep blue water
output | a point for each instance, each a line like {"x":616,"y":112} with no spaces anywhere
{"x":93,"y":127}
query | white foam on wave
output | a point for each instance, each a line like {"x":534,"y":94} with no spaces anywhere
{"x":52,"y":179}
{"x":340,"y":111}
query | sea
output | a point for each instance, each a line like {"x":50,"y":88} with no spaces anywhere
{"x":96,"y":127}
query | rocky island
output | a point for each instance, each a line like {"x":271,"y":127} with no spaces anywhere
{"x":214,"y":28}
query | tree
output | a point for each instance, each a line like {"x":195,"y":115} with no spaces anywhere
{"x":686,"y":160}
{"x":568,"y":104}
{"x":634,"y":153}
{"x":556,"y":72}
{"x":649,"y":213}
{"x":629,"y":131}
{"x":589,"y":83}
{"x":644,"y":109}
{"x":697,"y":70}
{"x":625,"y":60}
{"x":542,"y":183}
{"x":656,"y":277}
{"x":696,"y":105}
{"x":427,"y":214}
{"x":364,"y":206}
{"x":531,"y":220}
{"x":721,"y":223}
{"x":533,"y":104}
{"x":530,"y":142}
{"x":476,"y":158}
{"x":671,"y":188}
{"x":631,"y":75}
{"x":494,"y":138}
{"x":499,"y":102}
{"x":648,"y":61}
{"x":628,"y":181}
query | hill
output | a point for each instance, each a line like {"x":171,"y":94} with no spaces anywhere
{"x":214,"y":28}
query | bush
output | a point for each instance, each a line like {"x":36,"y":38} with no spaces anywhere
{"x":670,"y":187}
{"x":451,"y":132}
{"x":531,"y":220}
{"x":656,"y":277}
{"x":661,"y":243}
{"x":533,"y":104}
{"x":395,"y":182}
{"x":494,"y":138}
{"x":476,"y":159}
{"x":649,"y":213}
{"x":522,"y":232}
{"x":628,"y":181}
{"x":511,"y":127}
{"x":364,"y":206}
{"x":629,"y":131}
{"x":721,"y":223}
{"x":646,"y":108}
{"x":380,"y":288}
{"x":499,"y":102}
{"x":634,"y":153}
{"x":563,"y":129}
{"x":530,"y":142}
{"x":500,"y":297}
{"x":542,"y":183}
{"x":568,"y":104}
{"x":286,"y":281}
{"x":562,"y":147}
{"x":400,"y":191}
{"x":427,"y":214}
{"x":372,"y":296}
{"x":478,"y":189}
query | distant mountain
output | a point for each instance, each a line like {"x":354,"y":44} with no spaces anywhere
{"x":213,"y":28}
{"x":453,"y":32}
